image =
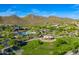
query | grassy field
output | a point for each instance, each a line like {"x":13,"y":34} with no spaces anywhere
{"x":59,"y":47}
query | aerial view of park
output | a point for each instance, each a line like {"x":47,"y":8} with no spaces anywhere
{"x":39,"y":29}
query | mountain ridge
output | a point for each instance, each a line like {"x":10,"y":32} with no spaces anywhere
{"x":35,"y":20}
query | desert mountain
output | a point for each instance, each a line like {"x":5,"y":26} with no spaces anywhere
{"x":35,"y":20}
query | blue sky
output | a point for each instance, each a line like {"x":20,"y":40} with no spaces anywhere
{"x":61,"y":10}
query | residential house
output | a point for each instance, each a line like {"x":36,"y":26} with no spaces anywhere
{"x":48,"y":37}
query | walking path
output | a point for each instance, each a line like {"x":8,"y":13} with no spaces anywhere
{"x":19,"y":52}
{"x":43,"y":40}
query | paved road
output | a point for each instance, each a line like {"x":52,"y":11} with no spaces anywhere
{"x":4,"y":49}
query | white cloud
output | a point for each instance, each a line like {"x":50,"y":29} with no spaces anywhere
{"x":76,"y":6}
{"x":75,"y":13}
{"x":10,"y":11}
{"x":42,"y":13}
{"x":7,"y":12}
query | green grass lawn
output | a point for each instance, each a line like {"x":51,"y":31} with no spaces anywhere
{"x":59,"y":47}
{"x":37,"y":47}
